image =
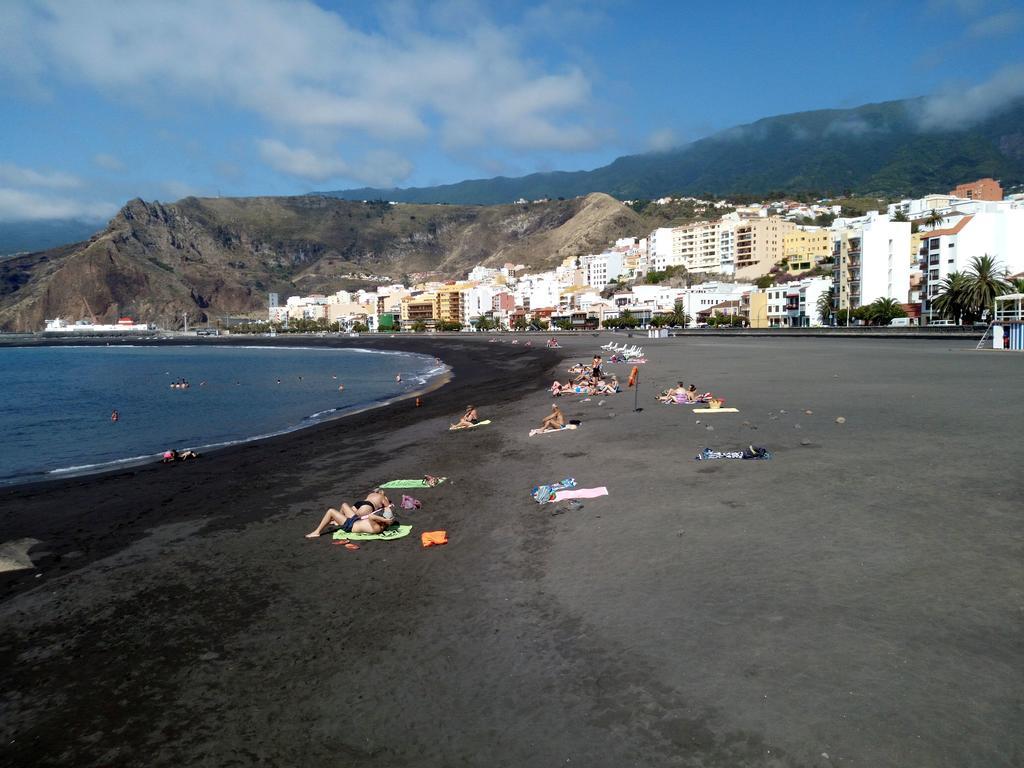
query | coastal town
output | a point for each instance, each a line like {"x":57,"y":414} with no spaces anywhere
{"x":778,"y":264}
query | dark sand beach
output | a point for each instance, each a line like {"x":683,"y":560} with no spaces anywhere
{"x":854,"y":601}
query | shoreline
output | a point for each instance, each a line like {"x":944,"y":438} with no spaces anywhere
{"x":431,"y":384}
{"x":35,"y":509}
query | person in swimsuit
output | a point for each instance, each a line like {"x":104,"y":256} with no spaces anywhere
{"x":596,"y":365}
{"x":469,"y":418}
{"x":555,"y":420}
{"x":366,"y":516}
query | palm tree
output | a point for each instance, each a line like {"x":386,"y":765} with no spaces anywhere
{"x":985,"y":281}
{"x":900,"y":216}
{"x":952,"y":299}
{"x":678,"y":316}
{"x":934,"y":219}
{"x":1017,"y":285}
{"x":824,"y":305}
{"x":882,"y":310}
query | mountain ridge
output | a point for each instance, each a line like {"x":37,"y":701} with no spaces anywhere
{"x":873,"y":148}
{"x":219,"y":256}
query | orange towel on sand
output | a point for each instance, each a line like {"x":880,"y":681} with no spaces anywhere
{"x":432,"y":538}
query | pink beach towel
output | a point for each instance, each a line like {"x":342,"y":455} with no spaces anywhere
{"x":581,"y":493}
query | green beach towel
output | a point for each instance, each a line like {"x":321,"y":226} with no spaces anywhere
{"x":420,"y":483}
{"x":392,"y":533}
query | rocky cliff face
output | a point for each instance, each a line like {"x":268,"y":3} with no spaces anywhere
{"x":211,"y":257}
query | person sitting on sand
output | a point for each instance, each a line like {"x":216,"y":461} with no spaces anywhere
{"x":673,"y":393}
{"x":692,"y":395}
{"x":371,"y":515}
{"x":469,"y":418}
{"x":554,"y":420}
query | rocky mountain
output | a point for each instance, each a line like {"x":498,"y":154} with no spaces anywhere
{"x":219,"y":256}
{"x":892,"y":148}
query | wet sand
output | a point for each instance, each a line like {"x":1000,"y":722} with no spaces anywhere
{"x":853,"y":601}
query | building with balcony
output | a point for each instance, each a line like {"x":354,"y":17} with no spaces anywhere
{"x":418,"y":309}
{"x":804,"y":247}
{"x":758,"y":245}
{"x":995,"y":230}
{"x":871,"y":260}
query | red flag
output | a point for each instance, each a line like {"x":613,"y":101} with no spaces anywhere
{"x":632,"y":375}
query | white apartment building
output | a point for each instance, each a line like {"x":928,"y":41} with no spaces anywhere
{"x":872,"y":260}
{"x":996,"y":229}
{"x":659,"y":248}
{"x":601,"y":268}
{"x":795,"y":304}
{"x":706,"y":295}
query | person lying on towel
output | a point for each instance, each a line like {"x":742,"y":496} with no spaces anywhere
{"x":371,"y":515}
{"x":554,"y":420}
{"x":469,"y":418}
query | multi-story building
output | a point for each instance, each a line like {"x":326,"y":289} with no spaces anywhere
{"x":659,"y":247}
{"x":982,"y":189}
{"x":697,"y":246}
{"x":804,"y":247}
{"x":758,"y":244}
{"x":996,"y":230}
{"x":871,"y":260}
{"x":449,"y":305}
{"x":601,"y":268}
{"x":795,"y":304}
{"x":418,"y":309}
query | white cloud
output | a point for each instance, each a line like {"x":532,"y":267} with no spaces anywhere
{"x":997,"y":24}
{"x":662,"y":140}
{"x":375,"y":167}
{"x":960,"y":107}
{"x":303,"y":67}
{"x":108,"y":162}
{"x":18,"y":205}
{"x":300,"y":162}
{"x":27,"y":177}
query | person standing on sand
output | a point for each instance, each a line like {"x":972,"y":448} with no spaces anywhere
{"x":555,"y":420}
{"x":361,"y":517}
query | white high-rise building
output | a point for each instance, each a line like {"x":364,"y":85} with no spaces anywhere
{"x":659,"y":247}
{"x":872,"y":260}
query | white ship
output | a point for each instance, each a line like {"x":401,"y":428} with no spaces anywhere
{"x":123,"y":325}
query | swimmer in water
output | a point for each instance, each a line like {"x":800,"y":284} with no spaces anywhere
{"x":398,"y":378}
{"x":278,"y":381}
{"x":341,"y":387}
{"x":114,"y":416}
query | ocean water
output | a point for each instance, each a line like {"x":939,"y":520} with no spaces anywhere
{"x":56,"y":402}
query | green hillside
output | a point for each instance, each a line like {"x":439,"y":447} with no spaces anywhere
{"x":876,"y":148}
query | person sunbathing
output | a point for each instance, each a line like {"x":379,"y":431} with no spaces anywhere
{"x":606,"y":388}
{"x":469,"y":418}
{"x":371,"y":515}
{"x":554,"y":420}
{"x":692,"y":395}
{"x":671,"y":394}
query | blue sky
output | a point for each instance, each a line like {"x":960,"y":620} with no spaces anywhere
{"x":104,"y":101}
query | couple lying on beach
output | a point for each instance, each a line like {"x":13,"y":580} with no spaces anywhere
{"x":682,"y":394}
{"x":373,"y":514}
